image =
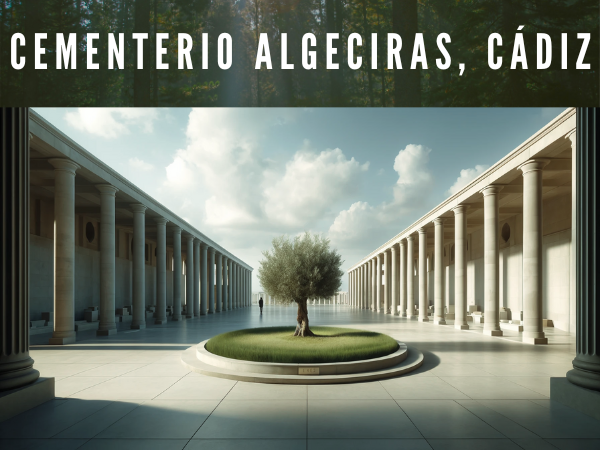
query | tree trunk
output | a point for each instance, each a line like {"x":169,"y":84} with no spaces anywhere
{"x":302,"y":328}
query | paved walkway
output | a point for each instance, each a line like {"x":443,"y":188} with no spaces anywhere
{"x":130,"y":391}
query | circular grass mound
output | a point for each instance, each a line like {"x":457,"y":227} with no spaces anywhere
{"x":278,"y":345}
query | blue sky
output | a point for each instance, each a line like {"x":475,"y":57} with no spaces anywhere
{"x":243,"y":176}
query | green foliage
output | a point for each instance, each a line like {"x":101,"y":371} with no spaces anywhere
{"x":299,"y":269}
{"x":277,"y":345}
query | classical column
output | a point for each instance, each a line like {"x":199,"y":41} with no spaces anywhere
{"x":402,"y":293}
{"x":460,"y":267}
{"x":64,"y":251}
{"x":374,"y":286}
{"x":423,"y":300}
{"x":233,"y":286}
{"x":176,"y":273}
{"x":379,"y":279}
{"x":211,"y":280}
{"x":533,"y":332}
{"x":161,"y":271}
{"x":138,"y":321}
{"x":491,"y":262}
{"x":363,"y":286}
{"x":586,"y":365}
{"x":107,"y":325}
{"x":219,"y":282}
{"x":224,"y":287}
{"x":203,"y":278}
{"x":394,"y":287}
{"x":196,"y":277}
{"x":388,"y":280}
{"x":410,"y":277}
{"x":16,"y":366}
{"x":189,"y":278}
{"x":438,"y":273}
{"x":229,"y":284}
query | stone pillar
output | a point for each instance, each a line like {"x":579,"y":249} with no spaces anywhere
{"x":224,"y":287}
{"x":586,"y":365}
{"x":196,"y":277}
{"x":374,"y":286}
{"x":378,"y":284}
{"x":533,"y":332}
{"x":16,"y":366}
{"x":423,"y":299}
{"x":387,"y":281}
{"x":410,"y":273}
{"x":233,"y":286}
{"x":460,"y":267}
{"x":107,"y":325}
{"x":203,"y":278}
{"x":229,"y":284}
{"x":161,"y":271}
{"x":64,"y":251}
{"x":219,"y":282}
{"x":394,"y":287}
{"x":403,"y":271}
{"x":138,"y":321}
{"x":491,"y":261}
{"x":176,"y":274}
{"x":211,"y":280}
{"x":438,"y":273}
{"x":189,"y":278}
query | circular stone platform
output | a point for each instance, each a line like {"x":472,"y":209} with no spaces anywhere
{"x":403,"y":360}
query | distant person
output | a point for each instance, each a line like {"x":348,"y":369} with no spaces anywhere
{"x":260,"y":303}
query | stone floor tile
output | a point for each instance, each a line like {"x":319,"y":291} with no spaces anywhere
{"x":198,"y":388}
{"x":260,"y":391}
{"x":433,"y":388}
{"x":491,"y":388}
{"x":541,"y":385}
{"x":111,"y":370}
{"x":129,"y":388}
{"x":355,"y":391}
{"x":135,"y":444}
{"x":63,"y":370}
{"x":159,"y":370}
{"x":41,"y":444}
{"x":246,"y":444}
{"x":473,"y":444}
{"x":368,"y":444}
{"x":68,"y":386}
{"x":534,"y":444}
{"x":575,"y":444}
{"x":496,"y":420}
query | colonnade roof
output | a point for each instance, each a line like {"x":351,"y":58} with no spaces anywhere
{"x":552,"y":142}
{"x":48,"y":142}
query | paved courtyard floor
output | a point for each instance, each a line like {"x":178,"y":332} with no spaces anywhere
{"x":130,"y":391}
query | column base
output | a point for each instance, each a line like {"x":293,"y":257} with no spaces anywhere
{"x":410,"y":317}
{"x":176,"y":318}
{"x":138,"y":326}
{"x":203,"y":313}
{"x":581,"y":399}
{"x":439,"y":322}
{"x":461,"y":327}
{"x":16,"y":401}
{"x":106,"y":332}
{"x":535,"y":341}
{"x":423,"y":319}
{"x":65,"y":340}
{"x":160,"y":321}
{"x":493,"y":332}
{"x":189,"y":317}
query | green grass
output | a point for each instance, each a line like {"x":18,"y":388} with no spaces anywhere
{"x":278,"y":345}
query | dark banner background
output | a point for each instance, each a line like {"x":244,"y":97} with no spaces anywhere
{"x":469,"y":23}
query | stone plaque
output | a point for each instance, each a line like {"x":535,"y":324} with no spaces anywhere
{"x":308,"y":371}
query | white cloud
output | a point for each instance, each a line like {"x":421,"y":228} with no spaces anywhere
{"x":140,"y":164}
{"x":466,"y":176}
{"x":111,"y":123}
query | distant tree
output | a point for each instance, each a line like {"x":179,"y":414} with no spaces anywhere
{"x":299,"y":269}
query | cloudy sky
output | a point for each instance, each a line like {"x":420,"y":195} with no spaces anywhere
{"x":243,"y":176}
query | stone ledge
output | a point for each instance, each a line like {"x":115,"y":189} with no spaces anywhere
{"x":578,"y":398}
{"x":19,"y":400}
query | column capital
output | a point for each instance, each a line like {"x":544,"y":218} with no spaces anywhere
{"x":379,"y":256}
{"x":492,"y":189}
{"x":210,"y":249}
{"x":422,"y":230}
{"x":533,"y":164}
{"x":189,"y":237}
{"x":460,"y":209}
{"x":438,"y":221}
{"x":64,"y":164}
{"x":410,"y":238}
{"x":197,"y":242}
{"x":175,"y":229}
{"x":393,"y":248}
{"x":401,"y":243}
{"x":572,"y":135}
{"x":138,"y":207}
{"x":160,"y":220}
{"x":107,"y":189}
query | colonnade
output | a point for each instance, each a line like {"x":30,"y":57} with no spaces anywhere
{"x":373,"y":286}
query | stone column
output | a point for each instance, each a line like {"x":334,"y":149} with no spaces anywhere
{"x":224,"y":287}
{"x":230,"y":284}
{"x":586,"y":365}
{"x":438,"y":273}
{"x":211,"y":280}
{"x":189,"y":278}
{"x":491,"y":261}
{"x":410,"y":273}
{"x":219,"y":282}
{"x":138,"y":321}
{"x":196,"y":277}
{"x":388,"y":280}
{"x":378,"y":283}
{"x":176,"y":274}
{"x":161,"y":271}
{"x":107,"y":325}
{"x":363,"y":286}
{"x":374,"y":286}
{"x":16,"y":366}
{"x":64,"y":251}
{"x":533,"y":332}
{"x":203,"y":278}
{"x":394,"y":287}
{"x":460,"y":267}
{"x":403,"y":271}
{"x":423,"y":300}
{"x":233,"y":287}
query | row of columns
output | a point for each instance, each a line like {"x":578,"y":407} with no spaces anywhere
{"x":368,"y":289}
{"x":231,"y":281}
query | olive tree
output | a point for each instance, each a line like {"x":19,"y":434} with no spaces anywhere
{"x":298,"y":269}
